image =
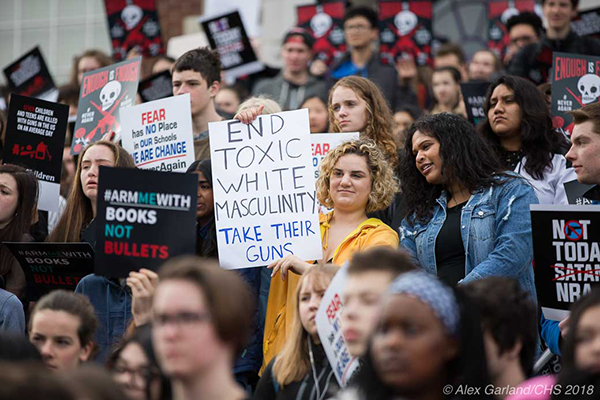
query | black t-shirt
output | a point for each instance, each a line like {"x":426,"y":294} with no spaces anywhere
{"x":449,"y":249}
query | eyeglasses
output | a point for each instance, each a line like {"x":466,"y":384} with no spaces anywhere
{"x":180,"y":319}
{"x":359,"y":28}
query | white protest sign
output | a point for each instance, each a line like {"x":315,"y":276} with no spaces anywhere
{"x":330,"y":332}
{"x":323,"y":142}
{"x":158,"y":134}
{"x":264,"y":190}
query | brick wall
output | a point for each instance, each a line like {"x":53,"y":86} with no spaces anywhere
{"x":172,"y":12}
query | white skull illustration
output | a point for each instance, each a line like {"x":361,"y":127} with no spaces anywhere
{"x":589,"y":87}
{"x":109,"y":94}
{"x":405,"y":21}
{"x":508,"y":13}
{"x":320,"y":24}
{"x":131,"y":15}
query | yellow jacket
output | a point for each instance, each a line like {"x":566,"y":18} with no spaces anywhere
{"x":371,"y":233}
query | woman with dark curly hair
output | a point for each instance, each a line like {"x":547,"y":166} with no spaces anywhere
{"x":469,"y":220}
{"x":519,"y":127}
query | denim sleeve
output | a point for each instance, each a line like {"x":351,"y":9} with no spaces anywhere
{"x":513,"y":246}
{"x":550,"y":332}
{"x":407,"y":240}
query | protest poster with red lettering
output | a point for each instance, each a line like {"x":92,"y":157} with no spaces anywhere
{"x":159,"y":135}
{"x":134,"y":24}
{"x":144,"y":218}
{"x":326,"y":23}
{"x":52,"y":266}
{"x":587,"y":23}
{"x":157,"y":86}
{"x":329,"y":328}
{"x":405,"y":29}
{"x":35,"y":139}
{"x":566,"y":248}
{"x":499,"y":12}
{"x":575,"y":83}
{"x":322,"y":143}
{"x":29,"y":76}
{"x":104,"y":92}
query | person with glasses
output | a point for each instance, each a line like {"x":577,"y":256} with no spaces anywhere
{"x":523,"y":29}
{"x":202,"y":316}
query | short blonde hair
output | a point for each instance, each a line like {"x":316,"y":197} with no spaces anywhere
{"x":384,"y":184}
{"x":271,"y":106}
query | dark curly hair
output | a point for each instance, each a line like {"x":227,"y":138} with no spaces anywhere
{"x":203,"y":60}
{"x":526,"y":18}
{"x":465,"y":155}
{"x":539,"y":140}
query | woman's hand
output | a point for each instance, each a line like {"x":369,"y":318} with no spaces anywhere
{"x":142,"y":284}
{"x":249,"y":115}
{"x":318,"y":68}
{"x":290,"y":262}
{"x":564,"y":327}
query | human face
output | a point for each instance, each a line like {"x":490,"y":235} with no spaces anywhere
{"x":182,"y":322}
{"x":86,"y":64}
{"x":205,"y":207}
{"x":448,"y":60}
{"x":350,"y":183}
{"x":410,"y":349}
{"x":404,"y":120}
{"x":482,"y":66}
{"x":317,"y":114}
{"x":309,"y":300}
{"x":95,"y":157}
{"x":359,"y":32}
{"x":445,"y":89}
{"x":133,"y":372}
{"x":585,"y":153}
{"x":201,"y":94}
{"x":227,"y":101}
{"x":349,"y":110}
{"x":295,"y":57}
{"x":54,"y":333}
{"x":504,"y":113}
{"x":558,"y":14}
{"x":521,"y":35}
{"x":360,"y":312}
{"x":9,"y":199}
{"x":587,"y":341}
{"x":427,"y":157}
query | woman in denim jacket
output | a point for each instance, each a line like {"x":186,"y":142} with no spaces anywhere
{"x":468,"y":219}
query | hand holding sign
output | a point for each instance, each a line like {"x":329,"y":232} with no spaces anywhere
{"x":142,"y":285}
{"x":290,"y":262}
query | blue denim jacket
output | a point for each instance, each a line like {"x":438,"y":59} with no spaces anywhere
{"x":495,"y":230}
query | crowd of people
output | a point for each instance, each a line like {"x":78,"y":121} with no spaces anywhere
{"x":428,"y":213}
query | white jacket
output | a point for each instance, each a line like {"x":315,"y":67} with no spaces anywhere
{"x":550,"y":189}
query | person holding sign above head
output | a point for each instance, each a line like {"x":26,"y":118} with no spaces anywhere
{"x":62,"y":326}
{"x":470,"y":219}
{"x":519,"y":128}
{"x":301,"y":370}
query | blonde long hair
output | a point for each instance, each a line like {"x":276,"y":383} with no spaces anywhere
{"x":293,"y":363}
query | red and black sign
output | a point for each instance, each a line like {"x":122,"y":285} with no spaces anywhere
{"x":155,"y":87}
{"x":52,"y":266}
{"x":326,"y":23}
{"x":587,"y":23}
{"x":134,"y":24}
{"x":499,"y":12}
{"x":29,"y":76}
{"x":103,"y":93}
{"x":405,"y":28}
{"x":575,"y":83}
{"x":144,"y":218}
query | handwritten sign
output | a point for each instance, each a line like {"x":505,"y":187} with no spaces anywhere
{"x":264,"y":190}
{"x":330,"y":332}
{"x":158,"y":135}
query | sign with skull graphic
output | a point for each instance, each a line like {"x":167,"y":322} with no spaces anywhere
{"x":405,"y":30}
{"x":104,"y":92}
{"x":325,"y":22}
{"x":134,"y":24}
{"x":575,"y":83}
{"x":499,"y":12}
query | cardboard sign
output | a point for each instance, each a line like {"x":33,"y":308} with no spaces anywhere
{"x":104,"y":92}
{"x":156,"y":87}
{"x":329,"y":329}
{"x":587,"y":23}
{"x":498,"y":13}
{"x":322,"y":143}
{"x":144,"y":218}
{"x":158,"y":135}
{"x":264,"y":190}
{"x":29,"y":76}
{"x":134,"y":24}
{"x":575,"y":192}
{"x":405,"y":28}
{"x":227,"y":35}
{"x":575,"y":83}
{"x":566,"y":247}
{"x":325,"y":23}
{"x":52,"y":266}
{"x":35,"y":138}
{"x":474,"y":98}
